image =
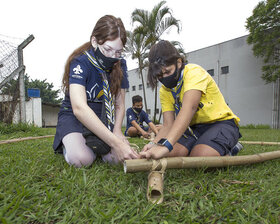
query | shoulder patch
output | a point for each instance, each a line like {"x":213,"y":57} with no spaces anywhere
{"x":77,"y":70}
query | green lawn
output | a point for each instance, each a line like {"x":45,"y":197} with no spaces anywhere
{"x":37,"y":186}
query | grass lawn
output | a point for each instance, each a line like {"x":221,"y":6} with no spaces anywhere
{"x":37,"y":186}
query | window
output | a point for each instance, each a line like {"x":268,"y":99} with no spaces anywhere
{"x":225,"y":70}
{"x":133,"y":88}
{"x":211,"y":72}
{"x":127,"y":90}
{"x":140,"y":86}
{"x":148,"y":111}
{"x":157,"y":110}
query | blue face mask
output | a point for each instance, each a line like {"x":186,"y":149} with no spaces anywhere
{"x":106,"y":63}
{"x":170,"y":81}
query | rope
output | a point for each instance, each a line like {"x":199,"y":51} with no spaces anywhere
{"x":134,"y":146}
{"x":159,"y":163}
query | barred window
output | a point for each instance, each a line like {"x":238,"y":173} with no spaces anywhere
{"x":211,"y":72}
{"x":225,"y":70}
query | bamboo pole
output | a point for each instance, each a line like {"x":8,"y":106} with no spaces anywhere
{"x":259,"y":143}
{"x":139,"y":165}
{"x":24,"y":139}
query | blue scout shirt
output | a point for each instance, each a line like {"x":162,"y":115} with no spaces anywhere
{"x":84,"y":73}
{"x":131,"y":115}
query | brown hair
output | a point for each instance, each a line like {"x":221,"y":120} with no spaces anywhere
{"x":136,"y":99}
{"x":107,"y":28}
{"x":161,"y":54}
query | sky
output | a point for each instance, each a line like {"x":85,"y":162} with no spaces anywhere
{"x":60,"y":26}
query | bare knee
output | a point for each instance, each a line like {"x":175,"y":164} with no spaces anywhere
{"x":203,"y":150}
{"x":132,"y":132}
{"x":81,"y":159}
{"x":76,"y":152}
{"x":178,"y":151}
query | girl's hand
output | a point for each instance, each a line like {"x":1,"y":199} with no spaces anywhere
{"x":145,"y":134}
{"x":148,"y":146}
{"x":156,"y":152}
{"x":124,"y":152}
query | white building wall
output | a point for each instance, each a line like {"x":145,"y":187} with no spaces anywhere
{"x":243,"y":88}
{"x":34,"y":111}
{"x":37,"y":113}
{"x":49,"y":115}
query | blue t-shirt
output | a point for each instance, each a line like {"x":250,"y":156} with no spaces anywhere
{"x":84,"y":73}
{"x":132,"y":115}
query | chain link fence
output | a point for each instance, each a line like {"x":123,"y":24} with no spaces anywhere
{"x":11,"y":78}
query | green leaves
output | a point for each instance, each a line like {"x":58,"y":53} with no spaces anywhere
{"x":47,"y":93}
{"x":150,"y":26}
{"x":264,"y":28}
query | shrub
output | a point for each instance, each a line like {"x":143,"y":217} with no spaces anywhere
{"x":21,"y":127}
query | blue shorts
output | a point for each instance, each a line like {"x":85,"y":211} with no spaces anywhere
{"x":145,"y":128}
{"x":221,"y":135}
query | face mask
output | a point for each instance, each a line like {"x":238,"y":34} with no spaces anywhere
{"x":170,"y":81}
{"x":138,"y":110}
{"x":106,"y":63}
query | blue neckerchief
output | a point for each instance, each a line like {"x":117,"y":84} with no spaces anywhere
{"x":109,"y":104}
{"x":137,"y":115}
{"x":176,"y":94}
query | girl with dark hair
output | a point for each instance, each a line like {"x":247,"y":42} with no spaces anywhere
{"x":196,"y":119}
{"x":91,"y":114}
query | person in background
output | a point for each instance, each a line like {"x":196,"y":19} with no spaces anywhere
{"x":94,"y":83}
{"x":196,"y":119}
{"x":135,"y":117}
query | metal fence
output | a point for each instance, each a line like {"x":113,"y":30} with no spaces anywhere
{"x":12,"y":95}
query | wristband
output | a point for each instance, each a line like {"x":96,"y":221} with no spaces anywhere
{"x":166,"y":143}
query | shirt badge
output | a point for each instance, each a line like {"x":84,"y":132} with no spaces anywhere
{"x":78,"y":70}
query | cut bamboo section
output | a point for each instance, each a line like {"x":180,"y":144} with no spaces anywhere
{"x":24,"y":139}
{"x":155,"y":187}
{"x":140,"y":165}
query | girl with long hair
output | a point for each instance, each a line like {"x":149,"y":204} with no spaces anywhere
{"x":94,"y":83}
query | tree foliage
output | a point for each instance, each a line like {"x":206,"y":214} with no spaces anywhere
{"x":264,"y":28}
{"x":150,"y":26}
{"x":47,"y":94}
{"x":137,"y":47}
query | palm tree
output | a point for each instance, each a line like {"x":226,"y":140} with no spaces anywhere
{"x":152,"y":25}
{"x":136,"y":46}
